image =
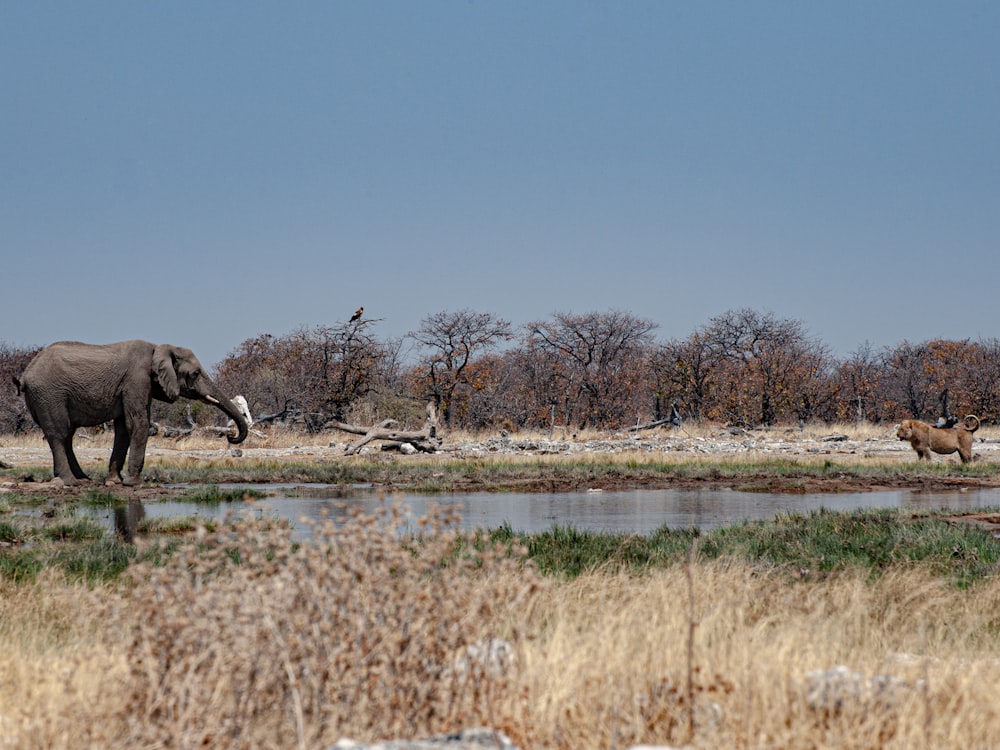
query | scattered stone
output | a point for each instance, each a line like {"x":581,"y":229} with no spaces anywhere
{"x":467,"y":739}
{"x":738,"y":441}
{"x":833,"y":691}
{"x":493,"y":657}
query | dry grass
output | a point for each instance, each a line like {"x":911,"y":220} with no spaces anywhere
{"x":280,"y":438}
{"x":357,"y":635}
{"x":612,"y":668}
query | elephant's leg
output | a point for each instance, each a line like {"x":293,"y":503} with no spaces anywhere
{"x":118,"y":451}
{"x":58,"y":433}
{"x":74,"y":464}
{"x":61,"y":467}
{"x":138,"y":426}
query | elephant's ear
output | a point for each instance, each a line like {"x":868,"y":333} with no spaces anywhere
{"x":163,"y":371}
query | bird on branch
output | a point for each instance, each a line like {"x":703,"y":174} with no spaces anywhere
{"x":357,"y":314}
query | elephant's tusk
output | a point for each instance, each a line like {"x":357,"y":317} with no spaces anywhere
{"x":211,"y":400}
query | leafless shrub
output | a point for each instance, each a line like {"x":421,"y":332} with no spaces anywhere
{"x":353,"y":634}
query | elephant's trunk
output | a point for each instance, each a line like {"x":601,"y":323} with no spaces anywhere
{"x":226,"y":405}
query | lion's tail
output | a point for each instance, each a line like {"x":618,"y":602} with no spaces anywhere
{"x":971,"y":422}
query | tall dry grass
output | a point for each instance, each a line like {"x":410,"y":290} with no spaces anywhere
{"x":613,"y":667}
{"x":244,"y":640}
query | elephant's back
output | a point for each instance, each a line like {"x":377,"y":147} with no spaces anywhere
{"x":72,"y":364}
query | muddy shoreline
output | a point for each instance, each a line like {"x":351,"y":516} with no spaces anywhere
{"x":741,"y":461}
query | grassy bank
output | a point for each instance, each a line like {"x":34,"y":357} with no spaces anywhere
{"x":39,"y":531}
{"x":748,"y":472}
{"x":236,"y":636}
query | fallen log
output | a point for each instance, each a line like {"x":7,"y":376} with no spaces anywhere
{"x":413,"y":446}
{"x":420,"y":439}
{"x":425,"y":439}
{"x":651,"y":425}
{"x":674,"y":420}
{"x":175,"y":432}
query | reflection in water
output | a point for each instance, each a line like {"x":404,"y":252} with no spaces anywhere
{"x":127,"y":519}
{"x":633,"y":511}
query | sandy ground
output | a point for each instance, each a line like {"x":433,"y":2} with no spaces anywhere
{"x":778,"y":442}
{"x":726,"y":444}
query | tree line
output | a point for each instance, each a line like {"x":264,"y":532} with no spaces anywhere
{"x":597,"y":370}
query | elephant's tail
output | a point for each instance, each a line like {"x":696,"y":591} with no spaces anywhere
{"x":17,"y":383}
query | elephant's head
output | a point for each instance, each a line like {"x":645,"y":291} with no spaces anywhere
{"x":177,"y":372}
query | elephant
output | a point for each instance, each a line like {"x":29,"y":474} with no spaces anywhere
{"x":70,"y":384}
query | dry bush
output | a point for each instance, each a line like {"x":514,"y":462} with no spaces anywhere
{"x":354,"y":634}
{"x":357,"y":634}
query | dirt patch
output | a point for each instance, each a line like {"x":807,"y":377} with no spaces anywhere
{"x":745,"y":482}
{"x":144,"y":492}
{"x":988,"y":521}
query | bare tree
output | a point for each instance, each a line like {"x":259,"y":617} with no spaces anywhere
{"x":684,"y":373}
{"x":768,"y":368}
{"x":533,"y":389}
{"x":984,"y":386}
{"x":910,"y":381}
{"x":859,"y":383}
{"x":929,"y":378}
{"x":601,"y":359}
{"x":449,"y":343}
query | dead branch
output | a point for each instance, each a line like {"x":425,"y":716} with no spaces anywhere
{"x":425,"y":439}
{"x":176,"y":432}
{"x":675,"y":420}
{"x":229,"y":430}
{"x":651,"y":425}
{"x":170,"y":431}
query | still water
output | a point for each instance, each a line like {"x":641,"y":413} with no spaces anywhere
{"x":638,"y":511}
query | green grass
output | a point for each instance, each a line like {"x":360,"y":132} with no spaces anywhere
{"x":212,"y":495}
{"x":175,"y":525}
{"x":812,"y":545}
{"x":79,"y":547}
{"x":103,"y":498}
{"x":802,"y":545}
{"x":10,"y":533}
{"x":15,"y":500}
{"x":73,"y":530}
{"x":568,"y":551}
{"x":20,"y":566}
{"x":100,"y":559}
{"x":823,"y":541}
{"x":815,"y":544}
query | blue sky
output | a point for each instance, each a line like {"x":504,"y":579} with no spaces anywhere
{"x":202,"y":172}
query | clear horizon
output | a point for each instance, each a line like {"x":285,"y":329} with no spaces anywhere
{"x":200,"y":174}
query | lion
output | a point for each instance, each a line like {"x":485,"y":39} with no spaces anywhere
{"x":924,"y":438}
